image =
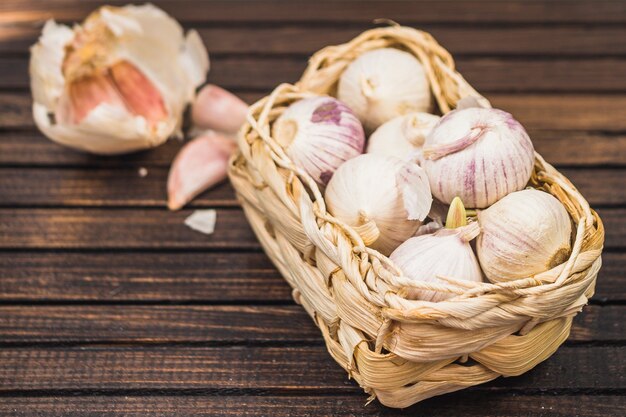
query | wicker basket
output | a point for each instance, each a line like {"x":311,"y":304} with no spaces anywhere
{"x":402,"y":351}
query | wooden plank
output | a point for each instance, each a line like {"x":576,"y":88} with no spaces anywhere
{"x":98,"y":188}
{"x":165,"y":324}
{"x":538,"y":112}
{"x":181,"y":277}
{"x":487,"y":75}
{"x":560,"y":148}
{"x":258,"y":368}
{"x":159,"y":229}
{"x":126,"y":188}
{"x":102,"y":229}
{"x":424,"y":11}
{"x":141,"y":276}
{"x":304,"y":40}
{"x":215,"y":324}
{"x":470,"y":403}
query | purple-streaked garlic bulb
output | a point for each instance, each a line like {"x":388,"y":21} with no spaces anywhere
{"x":319,"y":134}
{"x":479,"y":155}
{"x":524,"y":234}
{"x":385,"y":199}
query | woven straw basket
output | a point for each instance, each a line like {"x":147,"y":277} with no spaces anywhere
{"x":402,"y":351}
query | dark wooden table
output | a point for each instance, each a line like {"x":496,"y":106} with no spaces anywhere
{"x":109,"y":305}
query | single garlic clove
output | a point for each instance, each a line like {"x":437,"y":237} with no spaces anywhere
{"x":525,"y":233}
{"x":199,"y":165}
{"x":218,"y":109}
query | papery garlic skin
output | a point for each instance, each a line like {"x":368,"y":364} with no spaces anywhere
{"x":384,"y":198}
{"x":446,"y":253}
{"x":402,"y":135}
{"x":319,"y":134}
{"x":479,"y":155}
{"x":525,"y":233}
{"x":117,"y":83}
{"x":385,"y":83}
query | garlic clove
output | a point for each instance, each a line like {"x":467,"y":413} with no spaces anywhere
{"x":117,"y":83}
{"x":402,"y":135}
{"x":525,"y":233}
{"x":218,"y":109}
{"x":199,"y":165}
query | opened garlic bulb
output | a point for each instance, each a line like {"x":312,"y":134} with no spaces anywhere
{"x":479,"y":155}
{"x":525,"y":233}
{"x":382,"y":197}
{"x":117,"y":83}
{"x":444,"y":253}
{"x":319,"y":134}
{"x":402,"y":135}
{"x":385,"y":83}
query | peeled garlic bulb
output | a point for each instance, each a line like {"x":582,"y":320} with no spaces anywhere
{"x":383,"y":198}
{"x":402,"y":135}
{"x":525,"y":233}
{"x":444,"y":253}
{"x":385,"y":83}
{"x":117,"y":83}
{"x":319,"y":134}
{"x":479,"y":155}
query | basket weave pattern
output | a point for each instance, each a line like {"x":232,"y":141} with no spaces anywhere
{"x":402,"y":351}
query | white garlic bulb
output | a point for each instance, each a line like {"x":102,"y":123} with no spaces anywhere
{"x":444,"y":253}
{"x":402,"y":135}
{"x":382,"y":197}
{"x":117,"y":83}
{"x":385,"y":83}
{"x":319,"y":134}
{"x":525,"y":233}
{"x":479,"y":155}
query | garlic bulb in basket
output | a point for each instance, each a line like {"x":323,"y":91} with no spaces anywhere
{"x":445,"y":253}
{"x":384,"y":83}
{"x":382,"y":197}
{"x":117,"y":83}
{"x":479,"y":155}
{"x":525,"y":233}
{"x":402,"y":135}
{"x":319,"y":134}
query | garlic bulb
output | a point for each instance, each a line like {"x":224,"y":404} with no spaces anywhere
{"x":117,"y":83}
{"x":402,"y":135}
{"x":382,"y":197}
{"x":479,"y":155}
{"x":385,"y":83}
{"x":446,"y":253}
{"x":525,"y":233}
{"x":319,"y":134}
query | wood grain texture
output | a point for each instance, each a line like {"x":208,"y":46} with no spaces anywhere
{"x":260,"y":368}
{"x":160,"y":229}
{"x":471,"y":403}
{"x":422,"y":11}
{"x":487,"y":75}
{"x":214,"y":324}
{"x":554,"y":40}
{"x":101,"y":229}
{"x":537,"y":112}
{"x":180,"y":277}
{"x":142,"y":276}
{"x":125,"y":187}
